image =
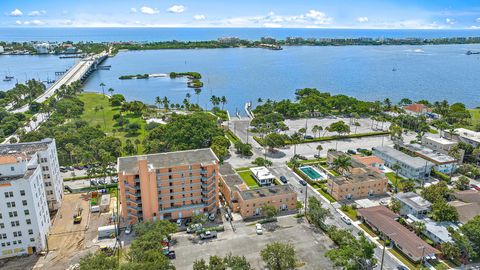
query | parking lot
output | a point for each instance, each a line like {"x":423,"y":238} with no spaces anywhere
{"x":310,"y":244}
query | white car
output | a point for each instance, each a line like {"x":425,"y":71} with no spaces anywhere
{"x":128,"y":230}
{"x":347,"y":220}
{"x":258,"y":228}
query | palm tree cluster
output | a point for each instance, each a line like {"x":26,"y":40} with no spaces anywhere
{"x":21,"y":94}
{"x":342,"y":164}
{"x":218,"y":100}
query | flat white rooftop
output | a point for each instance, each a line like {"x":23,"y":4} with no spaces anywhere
{"x":442,"y":141}
{"x":262,"y":173}
{"x":468,"y":134}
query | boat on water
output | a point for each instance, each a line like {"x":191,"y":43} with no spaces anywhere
{"x":471,"y":52}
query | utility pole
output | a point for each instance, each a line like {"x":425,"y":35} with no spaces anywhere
{"x":306,"y":197}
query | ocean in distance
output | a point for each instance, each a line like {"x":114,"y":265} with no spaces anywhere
{"x":21,"y":34}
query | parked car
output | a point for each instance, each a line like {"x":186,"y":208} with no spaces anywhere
{"x":475,"y":187}
{"x":114,"y":179}
{"x":101,"y":182}
{"x":308,"y":137}
{"x":63,"y":169}
{"x":194,"y":228}
{"x":283,"y":179}
{"x":351,"y":151}
{"x":179,"y":222}
{"x":346,"y":220}
{"x":93,"y":182}
{"x":171,"y":255}
{"x":128,"y":230}
{"x":302,"y":157}
{"x":316,"y":156}
{"x":303,"y":183}
{"x":208,"y":235}
{"x":227,"y":217}
{"x":70,"y":168}
{"x":258,"y":228}
{"x":401,"y":267}
{"x":212,"y":217}
{"x":78,"y":167}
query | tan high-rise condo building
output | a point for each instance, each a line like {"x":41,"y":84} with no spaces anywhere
{"x":168,"y":185}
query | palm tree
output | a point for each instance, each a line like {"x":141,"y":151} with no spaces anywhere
{"x":158,"y":101}
{"x":342,"y":164}
{"x":165,"y":102}
{"x":260,"y":100}
{"x":224,"y":101}
{"x":188,"y":96}
{"x":110,"y":90}
{"x":103,"y":87}
{"x":319,"y":149}
{"x":396,"y":167}
{"x":418,"y":227}
{"x":295,"y":139}
{"x":316,"y":129}
{"x":197,"y":92}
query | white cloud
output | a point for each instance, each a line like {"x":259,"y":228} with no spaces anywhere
{"x":149,"y":10}
{"x":176,"y":9}
{"x":133,"y":10}
{"x":37,"y":13}
{"x":478,"y":20}
{"x":362,"y":19}
{"x":199,"y":17}
{"x":32,"y":22}
{"x":272,"y":25}
{"x":16,"y":13}
{"x":449,"y":21}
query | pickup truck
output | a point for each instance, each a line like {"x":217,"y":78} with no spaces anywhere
{"x":208,"y":235}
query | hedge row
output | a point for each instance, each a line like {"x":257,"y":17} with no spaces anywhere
{"x":212,"y":229}
{"x":328,"y":138}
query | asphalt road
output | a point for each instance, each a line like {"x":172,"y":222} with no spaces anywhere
{"x":293,"y":180}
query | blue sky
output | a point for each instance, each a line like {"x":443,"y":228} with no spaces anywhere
{"x":374,"y":14}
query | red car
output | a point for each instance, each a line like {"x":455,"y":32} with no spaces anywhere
{"x":475,"y":187}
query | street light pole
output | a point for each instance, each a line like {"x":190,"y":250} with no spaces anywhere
{"x":384,"y":247}
{"x":306,"y":197}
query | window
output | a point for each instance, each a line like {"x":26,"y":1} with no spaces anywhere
{"x":29,"y":221}
{"x":32,"y":239}
{"x":24,"y":202}
{"x":3,"y":236}
{"x":19,"y":241}
{"x":2,"y":226}
{"x":30,"y":231}
{"x":3,"y":244}
{"x":48,"y":184}
{"x":22,"y":192}
{"x":27,"y":212}
{"x":12,"y":168}
{"x":9,"y":194}
{"x":13,"y":214}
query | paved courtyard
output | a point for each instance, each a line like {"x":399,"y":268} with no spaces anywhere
{"x":310,"y":245}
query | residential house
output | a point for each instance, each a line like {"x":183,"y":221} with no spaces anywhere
{"x":384,"y":222}
{"x":442,"y":162}
{"x":417,"y":109}
{"x":249,"y":202}
{"x":263,"y":176}
{"x":466,"y":136}
{"x":359,"y":182}
{"x":441,"y":145}
{"x":168,"y":185}
{"x":413,"y":204}
{"x":410,"y":167}
{"x":434,"y":230}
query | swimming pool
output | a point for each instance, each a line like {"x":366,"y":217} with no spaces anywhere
{"x":312,"y":173}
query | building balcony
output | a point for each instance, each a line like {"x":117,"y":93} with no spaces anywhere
{"x":183,"y":208}
{"x":208,"y":186}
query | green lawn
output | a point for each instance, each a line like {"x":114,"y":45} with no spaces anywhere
{"x":475,"y":116}
{"x":392,"y":177}
{"x":351,"y":213}
{"x":326,"y":195}
{"x":367,"y":229}
{"x":96,"y":118}
{"x":248,"y":179}
{"x":405,"y":260}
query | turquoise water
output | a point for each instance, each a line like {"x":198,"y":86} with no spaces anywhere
{"x":311,"y":173}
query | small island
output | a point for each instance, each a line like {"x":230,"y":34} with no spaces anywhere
{"x":193,"y":78}
{"x":130,"y":77}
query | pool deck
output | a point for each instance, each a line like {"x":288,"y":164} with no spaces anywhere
{"x":320,"y":174}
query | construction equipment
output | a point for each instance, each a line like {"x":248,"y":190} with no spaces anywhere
{"x":77,"y":217}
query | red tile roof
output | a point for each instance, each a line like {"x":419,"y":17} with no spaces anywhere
{"x":417,"y":108}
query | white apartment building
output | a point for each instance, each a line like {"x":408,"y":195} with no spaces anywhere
{"x":467,"y":136}
{"x":45,"y":152}
{"x":24,"y":215}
